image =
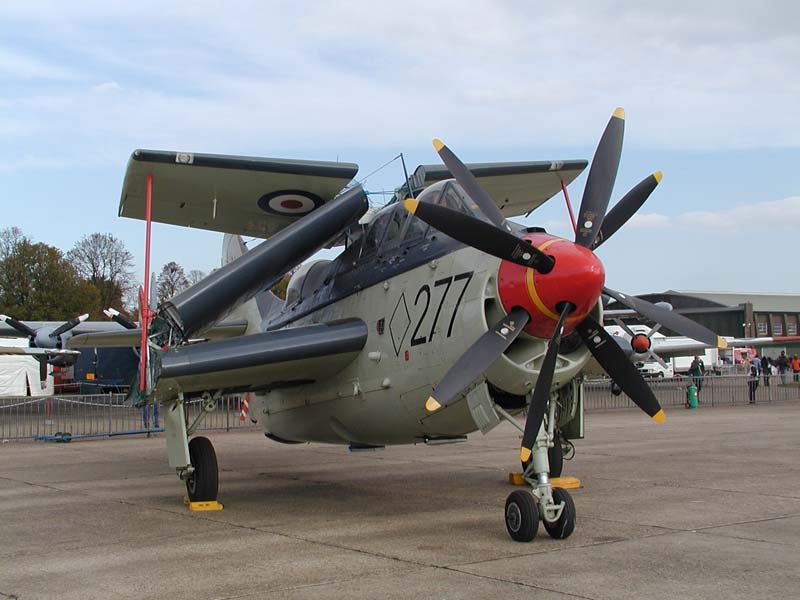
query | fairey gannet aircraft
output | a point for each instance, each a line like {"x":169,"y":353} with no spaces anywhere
{"x":440,"y":317}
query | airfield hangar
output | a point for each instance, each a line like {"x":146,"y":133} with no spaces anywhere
{"x":735,"y":314}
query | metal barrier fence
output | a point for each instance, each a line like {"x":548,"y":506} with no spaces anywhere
{"x":107,"y":415}
{"x":716,"y":390}
{"x":49,"y":418}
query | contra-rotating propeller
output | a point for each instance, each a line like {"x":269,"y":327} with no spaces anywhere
{"x":548,"y":286}
{"x":49,"y":338}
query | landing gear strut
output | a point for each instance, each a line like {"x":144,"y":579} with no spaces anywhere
{"x":553,"y":506}
{"x":195,"y":459}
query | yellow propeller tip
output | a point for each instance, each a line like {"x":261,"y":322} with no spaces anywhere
{"x":721,"y":343}
{"x":437,"y":144}
{"x":410,"y":204}
{"x":619,"y":113}
{"x":657,"y":175}
{"x":431,"y":405}
{"x":524,"y":454}
{"x":659,"y":416}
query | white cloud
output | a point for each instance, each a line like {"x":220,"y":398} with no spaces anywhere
{"x":18,"y":65}
{"x":501,"y":75}
{"x":106,"y":87}
{"x":648,"y":221}
{"x":772,"y":215}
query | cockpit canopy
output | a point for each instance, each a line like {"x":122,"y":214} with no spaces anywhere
{"x":393,"y":225}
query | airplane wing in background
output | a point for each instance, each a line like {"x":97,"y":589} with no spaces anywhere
{"x":131,"y":338}
{"x":6,"y":331}
{"x":36,"y":351}
{"x":667,"y":347}
{"x":233,"y":194}
{"x":516,"y":187}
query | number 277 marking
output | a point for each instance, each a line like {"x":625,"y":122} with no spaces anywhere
{"x":425,"y":290}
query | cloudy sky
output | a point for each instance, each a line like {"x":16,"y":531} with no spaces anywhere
{"x":711,"y":92}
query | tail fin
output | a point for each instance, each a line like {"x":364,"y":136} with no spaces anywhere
{"x":260,"y":307}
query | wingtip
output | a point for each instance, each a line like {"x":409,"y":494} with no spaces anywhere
{"x":619,"y":113}
{"x":524,"y":454}
{"x":659,"y":416}
{"x":721,"y":343}
{"x":411,"y":204}
{"x":437,"y":144}
{"x":657,"y":176}
{"x":431,"y":405}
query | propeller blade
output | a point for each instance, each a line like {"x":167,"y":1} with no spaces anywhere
{"x":669,"y":319}
{"x":477,"y":358}
{"x":613,"y":360}
{"x":657,"y":358}
{"x":115,"y":316}
{"x":71,"y":324}
{"x":467,"y":180}
{"x":600,"y":182}
{"x":481,"y":235}
{"x":541,"y":393}
{"x":18,"y":325}
{"x":627,"y":207}
{"x":153,"y":299}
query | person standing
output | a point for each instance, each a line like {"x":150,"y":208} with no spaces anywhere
{"x":783,"y":366}
{"x":766,"y":369}
{"x":796,"y":368}
{"x":757,"y":364}
{"x":697,"y":370}
{"x":752,"y":383}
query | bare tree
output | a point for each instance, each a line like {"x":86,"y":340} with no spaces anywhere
{"x":102,"y":260}
{"x":10,"y":239}
{"x":171,"y":281}
{"x":196,"y":275}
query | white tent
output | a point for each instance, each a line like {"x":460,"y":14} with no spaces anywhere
{"x":20,"y":375}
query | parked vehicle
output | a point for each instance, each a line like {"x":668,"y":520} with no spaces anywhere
{"x":655,"y":369}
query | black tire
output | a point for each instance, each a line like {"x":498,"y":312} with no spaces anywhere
{"x":555,"y":456}
{"x":203,"y":484}
{"x":565,"y":525}
{"x":522,"y":516}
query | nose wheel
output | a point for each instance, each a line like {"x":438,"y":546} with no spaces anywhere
{"x":523,"y":513}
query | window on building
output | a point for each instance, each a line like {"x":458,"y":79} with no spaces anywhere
{"x":777,"y":328}
{"x":791,"y":328}
{"x":762,"y":328}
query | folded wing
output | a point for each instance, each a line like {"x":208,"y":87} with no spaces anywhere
{"x":233,"y":194}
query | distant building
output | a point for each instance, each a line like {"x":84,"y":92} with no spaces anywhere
{"x":753,"y":314}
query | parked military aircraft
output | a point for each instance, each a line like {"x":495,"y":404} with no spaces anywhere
{"x":642,"y":343}
{"x":439,"y":318}
{"x":46,"y":340}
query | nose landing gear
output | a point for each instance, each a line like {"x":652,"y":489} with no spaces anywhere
{"x":552,"y":506}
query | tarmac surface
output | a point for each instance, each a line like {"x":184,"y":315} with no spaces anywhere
{"x":705,"y":506}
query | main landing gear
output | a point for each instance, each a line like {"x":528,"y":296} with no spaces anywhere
{"x":554,"y":507}
{"x":194,"y":460}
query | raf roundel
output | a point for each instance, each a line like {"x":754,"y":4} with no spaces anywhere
{"x":289,"y":203}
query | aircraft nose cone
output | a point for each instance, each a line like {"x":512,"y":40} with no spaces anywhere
{"x":577,"y":277}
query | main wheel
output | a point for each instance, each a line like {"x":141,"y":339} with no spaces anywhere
{"x":522,"y":516}
{"x":203,"y":484}
{"x":565,"y":525}
{"x":555,"y":456}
